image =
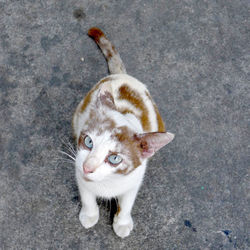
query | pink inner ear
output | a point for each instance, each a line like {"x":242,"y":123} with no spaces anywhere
{"x":152,"y":142}
{"x":148,"y":153}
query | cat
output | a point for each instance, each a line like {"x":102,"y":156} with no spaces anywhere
{"x":117,"y":127}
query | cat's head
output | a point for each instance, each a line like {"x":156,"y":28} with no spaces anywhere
{"x":115,"y":150}
{"x":108,"y":145}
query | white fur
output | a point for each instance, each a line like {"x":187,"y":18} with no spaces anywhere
{"x":96,"y":177}
{"x":103,"y":181}
{"x":123,"y":187}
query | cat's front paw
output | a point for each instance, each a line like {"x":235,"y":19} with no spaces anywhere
{"x":88,"y":220}
{"x":122,"y":227}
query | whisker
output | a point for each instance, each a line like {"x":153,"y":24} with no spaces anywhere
{"x":56,"y":159}
{"x":69,"y":147}
{"x":71,"y":157}
{"x":67,"y":161}
{"x":72,"y":152}
{"x":72,"y":148}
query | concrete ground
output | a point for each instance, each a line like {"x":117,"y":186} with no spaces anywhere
{"x":194,"y":57}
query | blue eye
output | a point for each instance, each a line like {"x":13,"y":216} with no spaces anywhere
{"x":115,"y":159}
{"x":88,"y":142}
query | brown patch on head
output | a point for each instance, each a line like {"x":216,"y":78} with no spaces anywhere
{"x":86,"y":101}
{"x":125,"y":111}
{"x":130,"y":95}
{"x":161,"y":125}
{"x":130,"y":146}
{"x":80,"y":139}
{"x":99,"y":122}
{"x":107,"y":125}
{"x":88,"y":97}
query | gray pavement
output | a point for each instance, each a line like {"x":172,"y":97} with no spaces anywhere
{"x":194,"y":57}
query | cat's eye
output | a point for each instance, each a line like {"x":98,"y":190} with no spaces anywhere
{"x":115,"y":159}
{"x":88,"y":142}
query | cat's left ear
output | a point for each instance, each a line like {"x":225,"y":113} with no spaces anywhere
{"x":149,"y":143}
{"x":105,"y":96}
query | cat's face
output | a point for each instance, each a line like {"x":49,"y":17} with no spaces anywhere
{"x":101,"y":155}
{"x":120,"y":151}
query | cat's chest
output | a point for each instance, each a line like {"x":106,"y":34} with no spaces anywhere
{"x":116,"y":184}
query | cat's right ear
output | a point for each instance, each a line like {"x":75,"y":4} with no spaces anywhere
{"x":149,"y":143}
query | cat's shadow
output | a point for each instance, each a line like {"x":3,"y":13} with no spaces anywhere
{"x":110,"y":206}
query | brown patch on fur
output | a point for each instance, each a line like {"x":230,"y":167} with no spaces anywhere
{"x":88,"y":97}
{"x":161,"y":125}
{"x":130,"y":145}
{"x":96,"y":34}
{"x":124,"y":135}
{"x":80,"y":140}
{"x":122,"y":171}
{"x":101,"y":122}
{"x":107,"y":125}
{"x":142,"y":145}
{"x":112,"y":125}
{"x":126,"y":93}
{"x":118,"y":210}
{"x":106,"y":79}
{"x":109,"y":54}
{"x":86,"y":101}
{"x":125,"y":111}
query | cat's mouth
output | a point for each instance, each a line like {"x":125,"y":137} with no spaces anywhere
{"x":86,"y":178}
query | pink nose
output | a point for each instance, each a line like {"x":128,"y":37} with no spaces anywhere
{"x":87,"y":170}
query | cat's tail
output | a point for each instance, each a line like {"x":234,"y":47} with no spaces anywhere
{"x":113,"y":58}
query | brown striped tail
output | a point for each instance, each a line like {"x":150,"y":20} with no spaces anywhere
{"x":113,"y":58}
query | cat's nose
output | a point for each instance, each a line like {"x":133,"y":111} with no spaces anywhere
{"x":87,"y":170}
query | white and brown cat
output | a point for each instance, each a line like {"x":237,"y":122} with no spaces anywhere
{"x":117,"y":128}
